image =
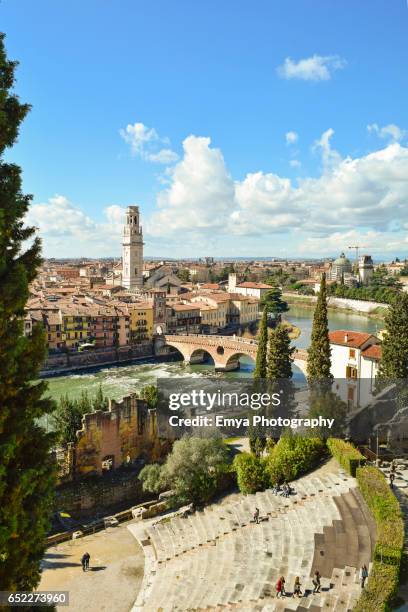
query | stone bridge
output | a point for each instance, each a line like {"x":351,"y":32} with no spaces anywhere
{"x":224,"y":350}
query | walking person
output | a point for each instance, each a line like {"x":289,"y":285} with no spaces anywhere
{"x":392,"y":478}
{"x":85,"y":561}
{"x":280,"y":587}
{"x":316,"y":582}
{"x":363,"y":575}
{"x":296,"y":587}
{"x":256,"y":515}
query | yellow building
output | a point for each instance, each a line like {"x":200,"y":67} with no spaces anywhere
{"x":141,"y":321}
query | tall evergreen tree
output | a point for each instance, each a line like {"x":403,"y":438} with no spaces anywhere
{"x":26,"y":469}
{"x":279,"y":355}
{"x":394,"y":357}
{"x":319,"y":352}
{"x":262,"y":354}
{"x":279,"y":373}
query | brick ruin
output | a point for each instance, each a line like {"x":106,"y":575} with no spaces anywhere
{"x":111,"y":439}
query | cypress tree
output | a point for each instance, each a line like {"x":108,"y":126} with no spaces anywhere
{"x":279,"y":372}
{"x":26,"y":468}
{"x":319,"y":361}
{"x":394,"y":358}
{"x":261,"y":356}
{"x":279,"y":355}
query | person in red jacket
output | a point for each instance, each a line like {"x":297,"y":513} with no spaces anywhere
{"x":280,"y":587}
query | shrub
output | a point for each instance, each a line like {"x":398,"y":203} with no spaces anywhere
{"x":151,"y":477}
{"x":292,"y":456}
{"x":346,"y":454}
{"x":251,"y":474}
{"x":383,"y":581}
{"x":192,"y":470}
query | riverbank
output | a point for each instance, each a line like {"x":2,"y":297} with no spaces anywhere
{"x":374,"y":310}
{"x":60,"y":364}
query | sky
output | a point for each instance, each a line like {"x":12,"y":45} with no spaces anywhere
{"x":241,"y":128}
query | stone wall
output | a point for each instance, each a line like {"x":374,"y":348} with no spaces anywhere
{"x":359,"y":306}
{"x":100,"y":493}
{"x":116,"y":437}
{"x":66,"y":362}
{"x":124,"y":435}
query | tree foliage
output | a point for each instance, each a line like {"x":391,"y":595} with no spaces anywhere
{"x":69,"y":413}
{"x":292,"y":456}
{"x":394,"y":348}
{"x":262,"y":353}
{"x":272,"y":301}
{"x":150,"y":394}
{"x":280,"y":354}
{"x":250,"y":470}
{"x":319,"y":352}
{"x":192,"y":470}
{"x":26,"y":468}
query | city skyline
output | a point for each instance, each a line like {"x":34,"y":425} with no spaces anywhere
{"x":281,"y":146}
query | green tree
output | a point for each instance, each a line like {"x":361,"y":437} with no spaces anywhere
{"x":26,"y":468}
{"x":100,"y":402}
{"x":394,"y":357}
{"x":151,"y":477}
{"x":150,"y":394}
{"x":279,"y":372}
{"x":279,"y":355}
{"x":250,"y":470}
{"x":272,"y":301}
{"x":257,"y":439}
{"x":319,"y":352}
{"x":192,"y":470}
{"x":67,"y":419}
{"x":184,"y":275}
{"x":262,"y":353}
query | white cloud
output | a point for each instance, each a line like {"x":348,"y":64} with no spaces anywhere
{"x":390,"y":132}
{"x":67,"y":231}
{"x":201,"y":209}
{"x":291,"y":137}
{"x":369,"y":192}
{"x":200,"y":195}
{"x":330,"y":157}
{"x":295,"y":163}
{"x":315,"y":68}
{"x":146,"y":143}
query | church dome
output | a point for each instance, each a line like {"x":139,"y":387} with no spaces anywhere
{"x":342,"y":261}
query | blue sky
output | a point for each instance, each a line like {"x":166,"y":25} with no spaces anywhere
{"x":255,"y":128}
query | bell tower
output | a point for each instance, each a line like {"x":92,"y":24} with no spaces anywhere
{"x":132,"y":250}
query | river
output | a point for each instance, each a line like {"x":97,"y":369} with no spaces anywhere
{"x":120,"y":381}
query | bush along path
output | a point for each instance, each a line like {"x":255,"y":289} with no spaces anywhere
{"x":401,"y":493}
{"x":380,"y":593}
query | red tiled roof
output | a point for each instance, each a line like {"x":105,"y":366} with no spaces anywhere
{"x":209,"y":286}
{"x":373,"y":352}
{"x":249,"y":285}
{"x":186,"y":307}
{"x":348,"y":338}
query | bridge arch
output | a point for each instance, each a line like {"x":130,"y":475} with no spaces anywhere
{"x":199,"y":355}
{"x":225,"y":351}
{"x":233,"y":361}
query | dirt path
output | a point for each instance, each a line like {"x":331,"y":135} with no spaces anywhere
{"x":114,"y":578}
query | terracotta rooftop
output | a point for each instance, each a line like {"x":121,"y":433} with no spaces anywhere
{"x":249,"y":285}
{"x":349,"y":338}
{"x":181,"y":307}
{"x":373,"y":352}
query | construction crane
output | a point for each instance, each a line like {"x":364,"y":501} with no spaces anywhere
{"x":357,"y":247}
